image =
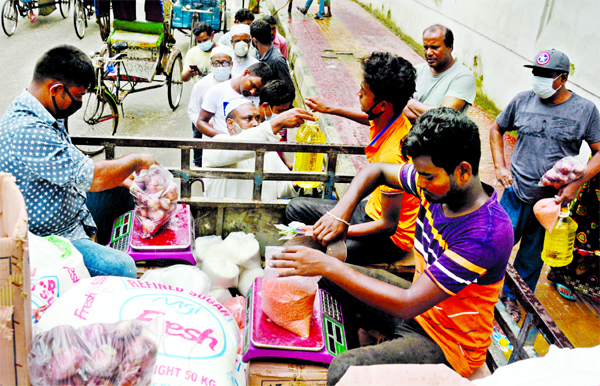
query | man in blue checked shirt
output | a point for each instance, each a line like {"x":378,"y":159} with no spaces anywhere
{"x":66,"y":193}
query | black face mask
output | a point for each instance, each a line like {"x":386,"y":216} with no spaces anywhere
{"x":73,"y":107}
{"x":372,"y":116}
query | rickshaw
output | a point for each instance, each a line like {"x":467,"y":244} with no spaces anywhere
{"x":83,"y":10}
{"x":185,"y":14}
{"x":12,"y":9}
{"x":137,"y":56}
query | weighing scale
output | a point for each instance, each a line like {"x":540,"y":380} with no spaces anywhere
{"x":264,"y":339}
{"x":172,"y":244}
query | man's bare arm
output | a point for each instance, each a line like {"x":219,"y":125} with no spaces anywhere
{"x":497,"y":146}
{"x":203,"y":126}
{"x":319,"y":105}
{"x":109,"y":174}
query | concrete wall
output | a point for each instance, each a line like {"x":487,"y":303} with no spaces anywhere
{"x":495,"y":38}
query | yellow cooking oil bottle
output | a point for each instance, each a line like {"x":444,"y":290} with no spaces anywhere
{"x":558,"y":244}
{"x":309,"y":162}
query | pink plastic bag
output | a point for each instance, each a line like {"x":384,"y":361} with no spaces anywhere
{"x":546,"y":211}
{"x":122,"y":353}
{"x":156,"y":196}
{"x":564,"y":171}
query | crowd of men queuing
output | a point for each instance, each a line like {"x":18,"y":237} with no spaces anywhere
{"x":420,"y":192}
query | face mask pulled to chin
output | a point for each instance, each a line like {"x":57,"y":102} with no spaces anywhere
{"x":236,"y":129}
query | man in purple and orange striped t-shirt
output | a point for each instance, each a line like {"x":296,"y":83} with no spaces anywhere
{"x":463,"y":239}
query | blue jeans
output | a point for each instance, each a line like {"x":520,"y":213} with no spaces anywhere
{"x":105,"y":207}
{"x":321,"y":6}
{"x":102,"y":260}
{"x":528,"y":229}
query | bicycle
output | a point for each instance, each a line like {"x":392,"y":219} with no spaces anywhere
{"x":99,"y":115}
{"x":27,"y":9}
{"x":83,"y":11}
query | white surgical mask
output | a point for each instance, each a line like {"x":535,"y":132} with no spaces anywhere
{"x":241,"y":49}
{"x":206,"y":45}
{"x":236,"y":129}
{"x":542,"y":87}
{"x":221,"y":73}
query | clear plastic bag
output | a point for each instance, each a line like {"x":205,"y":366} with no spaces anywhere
{"x":180,"y":275}
{"x":156,"y":196}
{"x":122,"y":354}
{"x":564,"y":171}
{"x":289,"y":301}
{"x":237,"y":308}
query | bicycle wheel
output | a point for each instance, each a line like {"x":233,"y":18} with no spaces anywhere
{"x":10,"y":16}
{"x":79,"y":18}
{"x":97,"y":117}
{"x":175,"y":83}
{"x":64,"y":6}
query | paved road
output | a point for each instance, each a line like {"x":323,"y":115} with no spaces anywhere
{"x":146,"y":114}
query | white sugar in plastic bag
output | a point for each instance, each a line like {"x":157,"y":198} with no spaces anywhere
{"x":185,"y":276}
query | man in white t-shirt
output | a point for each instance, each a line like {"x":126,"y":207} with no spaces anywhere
{"x":248,"y":85}
{"x":442,"y":81}
{"x":240,"y":42}
{"x":243,"y":124}
{"x":221,"y":60}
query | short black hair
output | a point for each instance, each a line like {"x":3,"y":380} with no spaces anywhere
{"x":447,"y":35}
{"x":261,"y":30}
{"x":202,"y":27}
{"x":447,"y":136}
{"x":243,"y":14}
{"x":391,"y":78}
{"x":277,"y":92}
{"x":270,"y":19}
{"x":262,"y":70}
{"x":67,"y":64}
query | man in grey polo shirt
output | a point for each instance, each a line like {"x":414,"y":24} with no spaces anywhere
{"x":551,"y":123}
{"x":442,"y":81}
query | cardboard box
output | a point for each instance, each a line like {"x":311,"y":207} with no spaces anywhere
{"x":286,"y":374}
{"x":15,"y":285}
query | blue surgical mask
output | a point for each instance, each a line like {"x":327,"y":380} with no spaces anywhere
{"x":273,"y":115}
{"x":221,"y":73}
{"x":542,"y":87}
{"x":206,"y":45}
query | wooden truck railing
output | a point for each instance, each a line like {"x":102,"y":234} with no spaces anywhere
{"x":220,"y":217}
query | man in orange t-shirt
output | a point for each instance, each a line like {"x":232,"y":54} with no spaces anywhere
{"x":386,"y":221}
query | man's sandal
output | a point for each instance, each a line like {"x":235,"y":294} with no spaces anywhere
{"x":302,"y":10}
{"x":512,"y":307}
{"x":565,"y":292}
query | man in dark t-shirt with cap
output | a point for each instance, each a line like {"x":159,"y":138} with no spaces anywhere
{"x":551,"y":123}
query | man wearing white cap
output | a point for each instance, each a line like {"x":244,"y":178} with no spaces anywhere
{"x":243,"y":125}
{"x":247,"y":86}
{"x":551,"y":122}
{"x":240,"y":42}
{"x":242,"y":16}
{"x":221,"y":61}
